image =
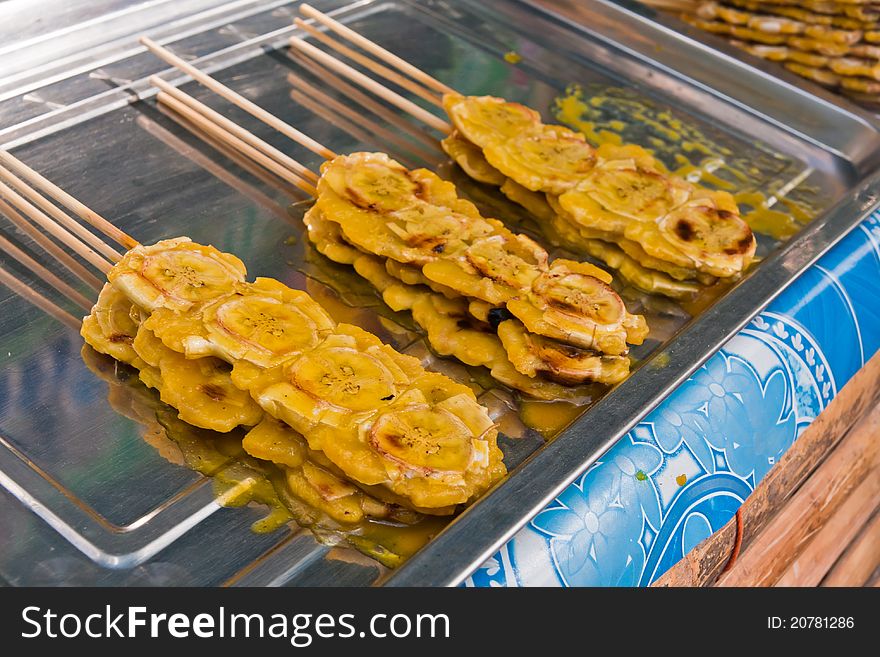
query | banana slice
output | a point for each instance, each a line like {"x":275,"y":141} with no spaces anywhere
{"x":719,"y":241}
{"x":571,"y":304}
{"x":328,"y":238}
{"x":631,"y":271}
{"x":625,"y":188}
{"x":199,"y":389}
{"x":449,"y":334}
{"x":535,"y":203}
{"x":414,"y":276}
{"x":263,"y":323}
{"x":325,"y":491}
{"x":110,"y":327}
{"x":470,"y":158}
{"x":348,"y":378}
{"x":371,"y":181}
{"x":582,"y":216}
{"x":312,"y":477}
{"x":493,"y":268}
{"x":485,"y":119}
{"x":437,"y":191}
{"x":534,"y":355}
{"x":175,"y":274}
{"x":638,"y":253}
{"x":429,"y":442}
{"x":435,"y":230}
{"x":272,"y":440}
{"x":362,"y":443}
{"x":512,"y":260}
{"x":552,"y":160}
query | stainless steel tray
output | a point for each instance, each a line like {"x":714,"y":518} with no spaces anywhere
{"x":87,"y":501}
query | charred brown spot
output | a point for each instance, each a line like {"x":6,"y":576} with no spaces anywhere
{"x":213,"y":391}
{"x":117,"y":338}
{"x":421,"y":190}
{"x":725,"y":214}
{"x":744,"y":245}
{"x":684,"y":230}
{"x":484,"y":268}
{"x":360,"y":201}
{"x":427,"y":242}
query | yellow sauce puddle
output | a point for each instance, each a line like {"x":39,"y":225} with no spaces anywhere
{"x":548,"y":418}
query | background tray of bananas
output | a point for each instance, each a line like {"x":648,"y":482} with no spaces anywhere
{"x":102,"y":486}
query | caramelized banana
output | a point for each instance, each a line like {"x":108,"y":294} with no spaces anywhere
{"x":666,"y":226}
{"x":110,"y":327}
{"x":719,"y":241}
{"x":378,"y":183}
{"x":450,"y":332}
{"x":236,"y":351}
{"x":200,"y":389}
{"x":458,"y":251}
{"x":263,"y":323}
{"x":552,"y":160}
{"x":571,"y":304}
{"x":470,"y":158}
{"x":486,"y":119}
{"x":175,"y":274}
{"x":631,"y":271}
{"x":534,"y":355}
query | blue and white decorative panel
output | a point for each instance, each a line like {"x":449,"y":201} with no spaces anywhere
{"x":682,"y":473}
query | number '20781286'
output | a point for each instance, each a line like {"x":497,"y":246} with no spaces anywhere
{"x":811,"y":622}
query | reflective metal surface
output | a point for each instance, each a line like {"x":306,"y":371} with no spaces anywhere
{"x":89,"y":499}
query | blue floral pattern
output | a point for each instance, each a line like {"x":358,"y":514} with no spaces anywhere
{"x":683,"y":471}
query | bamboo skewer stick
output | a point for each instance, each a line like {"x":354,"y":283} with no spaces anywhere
{"x":52,"y":190}
{"x":215,"y":169}
{"x":237,"y":99}
{"x":218,"y":132}
{"x":368,"y":83}
{"x":370,"y":64}
{"x":37,"y":299}
{"x":363,"y":100}
{"x":38,"y":269}
{"x":342,"y":122}
{"x":298,"y":169}
{"x":56,"y":230}
{"x":49,"y":246}
{"x":339,"y":109}
{"x":60,"y":216}
{"x":375,"y":49}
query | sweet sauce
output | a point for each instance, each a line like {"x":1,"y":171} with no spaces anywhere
{"x":549,"y":418}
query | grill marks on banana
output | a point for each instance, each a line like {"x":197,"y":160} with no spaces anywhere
{"x":213,"y":391}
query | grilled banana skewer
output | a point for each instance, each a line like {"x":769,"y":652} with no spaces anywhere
{"x":616,"y":203}
{"x":185,"y":316}
{"x":531,"y":321}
